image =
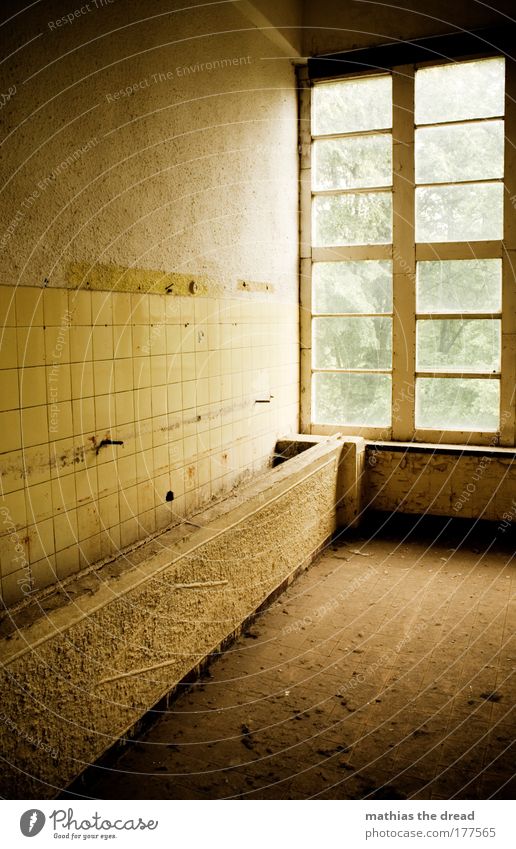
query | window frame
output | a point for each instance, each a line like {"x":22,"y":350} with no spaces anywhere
{"x":404,"y":253}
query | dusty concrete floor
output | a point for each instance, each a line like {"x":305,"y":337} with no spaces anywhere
{"x":379,"y":674}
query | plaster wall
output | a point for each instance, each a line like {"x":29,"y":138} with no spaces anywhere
{"x":145,"y":148}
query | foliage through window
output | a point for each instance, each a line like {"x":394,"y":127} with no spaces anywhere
{"x":407,"y":207}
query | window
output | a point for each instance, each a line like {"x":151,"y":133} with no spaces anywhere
{"x":407,"y":330}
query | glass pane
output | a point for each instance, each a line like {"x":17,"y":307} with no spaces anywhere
{"x":352,"y":219}
{"x":352,"y":163}
{"x":363,"y":400}
{"x":457,"y":404}
{"x":440,"y":152}
{"x":460,"y":91}
{"x":352,"y":343}
{"x":458,"y":345}
{"x":343,"y":107}
{"x":459,"y":213}
{"x":465,"y":285}
{"x":364,"y":286}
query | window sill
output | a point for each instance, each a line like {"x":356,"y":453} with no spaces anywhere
{"x":443,"y":448}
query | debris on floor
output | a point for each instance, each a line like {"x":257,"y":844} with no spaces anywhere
{"x":409,"y":711}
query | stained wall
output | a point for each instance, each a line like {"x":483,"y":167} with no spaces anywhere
{"x":148,"y":273}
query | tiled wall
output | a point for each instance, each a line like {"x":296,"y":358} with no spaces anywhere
{"x":118,"y":161}
{"x":183,"y":382}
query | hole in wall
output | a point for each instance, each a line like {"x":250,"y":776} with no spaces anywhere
{"x":169,"y":496}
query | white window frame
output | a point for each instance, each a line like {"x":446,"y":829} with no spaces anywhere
{"x":404,"y":253}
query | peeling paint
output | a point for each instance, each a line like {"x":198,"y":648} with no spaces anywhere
{"x":470,"y":486}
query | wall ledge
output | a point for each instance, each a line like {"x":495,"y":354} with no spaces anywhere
{"x":442,"y":448}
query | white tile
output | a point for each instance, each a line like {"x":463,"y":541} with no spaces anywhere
{"x":7,"y":306}
{"x":34,"y":426}
{"x":29,"y":306}
{"x":55,"y":307}
{"x":9,"y":393}
{"x":102,"y":342}
{"x":79,"y":304}
{"x":8,"y":347}
{"x":31,"y":346}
